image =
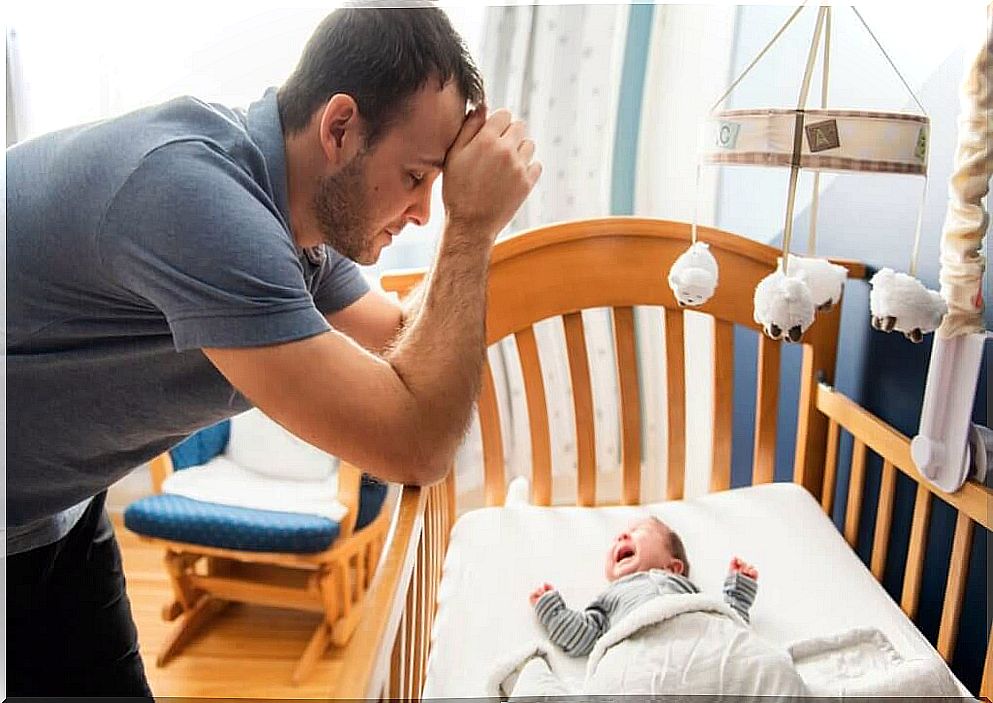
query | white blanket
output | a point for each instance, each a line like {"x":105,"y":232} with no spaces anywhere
{"x":678,"y":644}
{"x":222,"y":481}
{"x":862,"y":662}
{"x":695,"y":644}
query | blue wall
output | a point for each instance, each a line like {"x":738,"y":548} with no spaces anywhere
{"x":871,"y":219}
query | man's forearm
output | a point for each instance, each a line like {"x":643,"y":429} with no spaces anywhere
{"x":439,"y":353}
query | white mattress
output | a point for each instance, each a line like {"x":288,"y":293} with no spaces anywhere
{"x":810,"y":582}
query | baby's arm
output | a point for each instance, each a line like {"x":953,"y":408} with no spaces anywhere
{"x":741,"y":586}
{"x":575,"y":632}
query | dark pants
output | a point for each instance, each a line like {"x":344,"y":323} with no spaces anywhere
{"x":69,"y":626}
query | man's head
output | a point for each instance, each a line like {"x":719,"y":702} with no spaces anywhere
{"x":646,"y":544}
{"x":368,"y":115}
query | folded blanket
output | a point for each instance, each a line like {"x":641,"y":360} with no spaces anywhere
{"x":223,"y":481}
{"x":863,"y":662}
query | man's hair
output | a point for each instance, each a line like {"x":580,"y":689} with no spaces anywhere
{"x":381,"y":57}
{"x":675,"y":546}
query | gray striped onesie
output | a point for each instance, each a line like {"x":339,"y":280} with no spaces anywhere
{"x":576,"y":632}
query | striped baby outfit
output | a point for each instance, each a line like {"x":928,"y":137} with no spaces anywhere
{"x":576,"y":632}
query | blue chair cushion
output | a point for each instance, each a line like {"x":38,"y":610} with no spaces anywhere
{"x":181,"y":519}
{"x":200,"y":447}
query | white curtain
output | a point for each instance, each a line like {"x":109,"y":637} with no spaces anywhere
{"x":688,"y":68}
{"x":559,"y":68}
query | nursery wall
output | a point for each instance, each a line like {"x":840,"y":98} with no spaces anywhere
{"x":871,"y":219}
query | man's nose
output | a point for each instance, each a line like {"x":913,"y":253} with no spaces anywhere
{"x":419,"y":211}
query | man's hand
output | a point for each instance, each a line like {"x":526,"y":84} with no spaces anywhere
{"x":537,"y":593}
{"x":488,"y":173}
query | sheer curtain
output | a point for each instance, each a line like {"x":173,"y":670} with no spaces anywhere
{"x":559,"y":68}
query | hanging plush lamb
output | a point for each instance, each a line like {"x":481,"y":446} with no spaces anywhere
{"x":824,"y":279}
{"x":693,"y":276}
{"x":902,"y":303}
{"x":783,"y":306}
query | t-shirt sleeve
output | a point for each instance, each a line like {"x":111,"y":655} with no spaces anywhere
{"x":339,"y":283}
{"x":193,"y":236}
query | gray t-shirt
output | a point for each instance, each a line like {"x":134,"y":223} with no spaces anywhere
{"x":131,"y":244}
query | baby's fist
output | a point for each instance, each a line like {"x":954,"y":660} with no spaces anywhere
{"x":539,"y":592}
{"x":739,"y":566}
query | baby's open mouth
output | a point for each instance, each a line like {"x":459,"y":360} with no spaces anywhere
{"x":623,"y":554}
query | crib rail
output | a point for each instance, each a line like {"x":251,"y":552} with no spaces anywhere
{"x":973,"y":503}
{"x":387,"y":658}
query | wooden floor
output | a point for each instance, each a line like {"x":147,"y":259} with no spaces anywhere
{"x":248,"y":651}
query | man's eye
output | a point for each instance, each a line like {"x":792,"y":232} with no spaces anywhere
{"x":415,"y":178}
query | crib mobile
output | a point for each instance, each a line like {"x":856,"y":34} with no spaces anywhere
{"x":787,"y":300}
{"x":949,"y":447}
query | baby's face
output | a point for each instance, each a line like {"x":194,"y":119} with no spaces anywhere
{"x":643,"y":546}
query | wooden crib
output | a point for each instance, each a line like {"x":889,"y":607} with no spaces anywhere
{"x":619,"y":263}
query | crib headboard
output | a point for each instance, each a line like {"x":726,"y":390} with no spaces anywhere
{"x":619,"y":263}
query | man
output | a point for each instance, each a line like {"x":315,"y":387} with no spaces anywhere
{"x":175,"y":266}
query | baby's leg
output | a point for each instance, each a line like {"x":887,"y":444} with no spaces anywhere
{"x":537,"y":680}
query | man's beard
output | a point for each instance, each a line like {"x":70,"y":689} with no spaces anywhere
{"x":340,"y":206}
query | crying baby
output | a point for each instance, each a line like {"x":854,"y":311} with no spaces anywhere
{"x":646,"y":561}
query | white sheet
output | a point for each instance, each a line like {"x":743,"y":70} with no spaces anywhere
{"x":810,"y":582}
{"x":222,"y":481}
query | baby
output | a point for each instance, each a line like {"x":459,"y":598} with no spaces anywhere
{"x":645,"y":561}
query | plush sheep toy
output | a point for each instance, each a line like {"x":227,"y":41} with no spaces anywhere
{"x":783,"y":306}
{"x":902,"y":303}
{"x":693,"y":276}
{"x":824,"y":279}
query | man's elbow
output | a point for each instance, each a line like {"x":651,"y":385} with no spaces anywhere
{"x":424,"y":466}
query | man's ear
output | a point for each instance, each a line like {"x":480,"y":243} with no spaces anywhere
{"x":341,"y":129}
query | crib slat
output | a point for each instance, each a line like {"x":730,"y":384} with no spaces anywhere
{"x":398,"y":670}
{"x":451,"y":505}
{"x":582,"y":398}
{"x":958,"y":571}
{"x":720,"y":472}
{"x":915,"y":556}
{"x":675,"y":378}
{"x":489,"y":425}
{"x":766,"y":411}
{"x":884,"y":519}
{"x":830,"y":467}
{"x":534,"y":391}
{"x":986,"y":687}
{"x":627,"y":375}
{"x":416,"y":583}
{"x":856,"y":486}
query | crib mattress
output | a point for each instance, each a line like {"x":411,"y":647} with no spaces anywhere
{"x":810,"y":582}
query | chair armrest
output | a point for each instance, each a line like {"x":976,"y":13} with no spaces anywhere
{"x":349,"y":488}
{"x":161,"y":468}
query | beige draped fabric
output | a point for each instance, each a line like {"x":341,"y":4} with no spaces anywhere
{"x":966,"y":220}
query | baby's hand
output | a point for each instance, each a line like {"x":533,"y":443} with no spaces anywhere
{"x":737,"y":565}
{"x":539,"y":592}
